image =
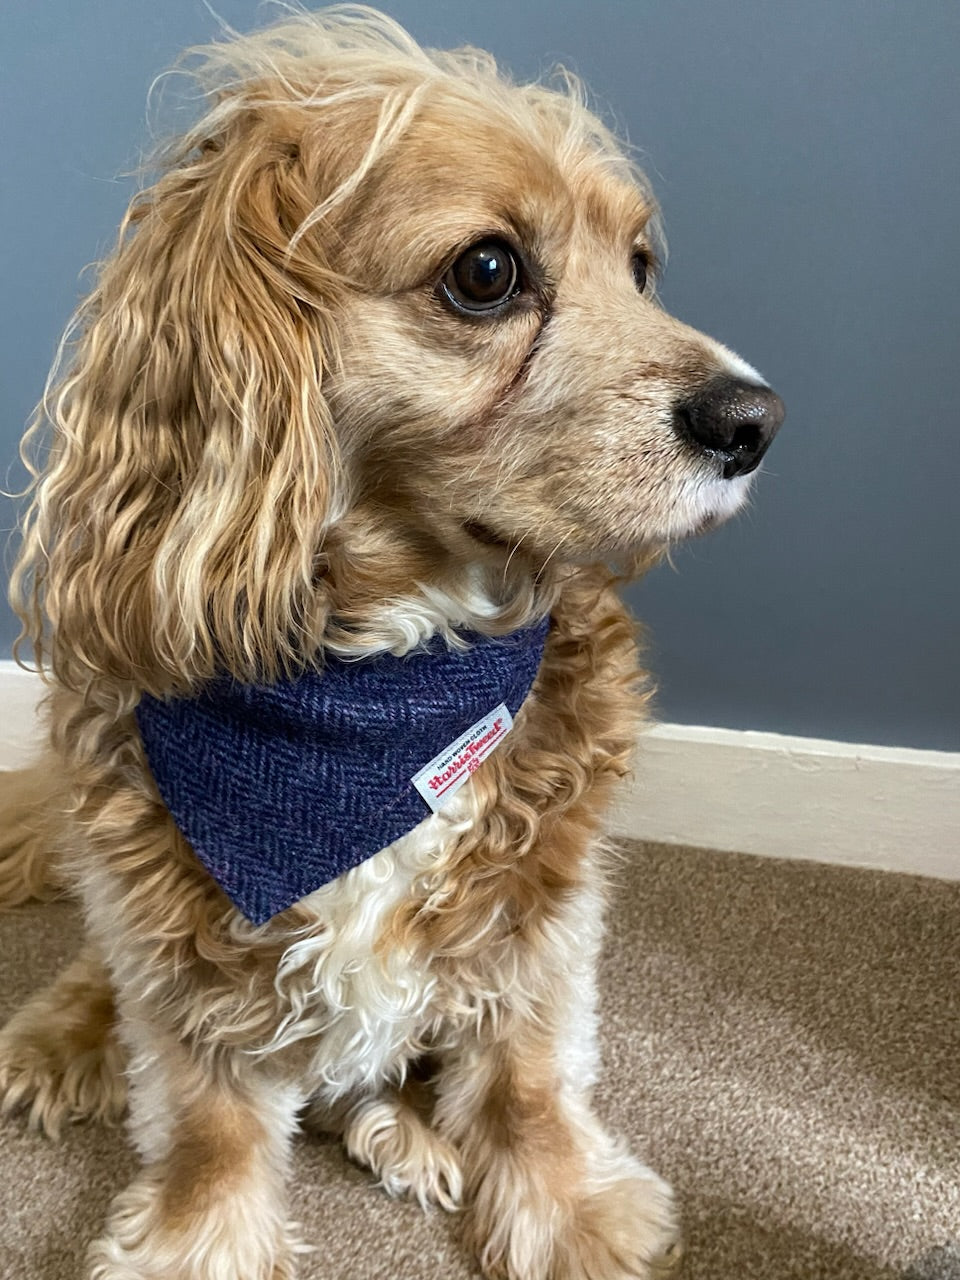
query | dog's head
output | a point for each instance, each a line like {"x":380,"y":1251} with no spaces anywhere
{"x":384,"y":328}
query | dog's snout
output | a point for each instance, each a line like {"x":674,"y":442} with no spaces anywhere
{"x":732,"y":420}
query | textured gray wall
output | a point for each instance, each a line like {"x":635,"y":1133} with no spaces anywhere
{"x":806,"y":158}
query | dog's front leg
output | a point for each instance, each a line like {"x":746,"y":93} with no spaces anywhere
{"x":210,"y":1201}
{"x":550,"y":1194}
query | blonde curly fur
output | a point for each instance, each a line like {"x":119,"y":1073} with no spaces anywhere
{"x":195,"y":467}
{"x":270,"y":435}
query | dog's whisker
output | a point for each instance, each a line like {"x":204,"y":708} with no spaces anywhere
{"x":543,"y":567}
{"x":513,"y":551}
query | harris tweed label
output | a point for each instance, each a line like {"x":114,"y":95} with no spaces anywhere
{"x":447,"y":772}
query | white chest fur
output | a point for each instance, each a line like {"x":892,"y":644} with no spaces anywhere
{"x":360,"y":1005}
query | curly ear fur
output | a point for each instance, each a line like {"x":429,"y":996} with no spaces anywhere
{"x":192,"y":445}
{"x":178,"y":521}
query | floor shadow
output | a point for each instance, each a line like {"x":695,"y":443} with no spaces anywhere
{"x":941,"y":1263}
{"x":724,"y":1243}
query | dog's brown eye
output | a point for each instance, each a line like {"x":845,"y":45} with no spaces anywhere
{"x":641,"y":266}
{"x":483,"y":279}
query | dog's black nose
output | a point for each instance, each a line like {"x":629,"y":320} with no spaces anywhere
{"x":732,"y":420}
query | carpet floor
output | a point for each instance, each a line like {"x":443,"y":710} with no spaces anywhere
{"x":781,"y":1041}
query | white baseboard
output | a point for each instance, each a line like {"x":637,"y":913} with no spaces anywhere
{"x":20,"y":692}
{"x":889,"y":808}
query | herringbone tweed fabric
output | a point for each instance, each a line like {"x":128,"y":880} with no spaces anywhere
{"x":782,"y":1041}
{"x":280,"y":789}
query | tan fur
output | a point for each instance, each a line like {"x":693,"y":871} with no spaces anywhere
{"x":208,"y":1202}
{"x":32,"y":806}
{"x":272,"y":439}
{"x":388,"y":1134}
{"x":59,"y":1055}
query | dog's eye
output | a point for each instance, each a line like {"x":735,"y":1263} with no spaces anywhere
{"x":641,"y":268}
{"x":483,"y":278}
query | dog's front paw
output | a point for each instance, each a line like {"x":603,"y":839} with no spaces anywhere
{"x":149,"y":1237}
{"x":408,"y":1157}
{"x":625,"y":1231}
{"x":621,"y":1227}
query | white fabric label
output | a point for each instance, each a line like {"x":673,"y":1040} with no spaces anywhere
{"x":447,"y":772}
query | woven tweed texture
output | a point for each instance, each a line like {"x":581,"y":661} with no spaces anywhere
{"x":279,"y":789}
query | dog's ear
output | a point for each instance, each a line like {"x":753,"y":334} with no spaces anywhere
{"x":178,"y":518}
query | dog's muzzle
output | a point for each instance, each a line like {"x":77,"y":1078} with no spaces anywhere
{"x":732,"y":421}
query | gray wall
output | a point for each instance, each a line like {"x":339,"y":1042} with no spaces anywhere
{"x":806,"y":158}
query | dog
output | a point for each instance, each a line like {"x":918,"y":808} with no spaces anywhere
{"x":374,"y":388}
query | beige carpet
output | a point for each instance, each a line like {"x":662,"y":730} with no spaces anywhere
{"x":782,"y":1041}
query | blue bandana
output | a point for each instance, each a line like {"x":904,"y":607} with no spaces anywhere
{"x":280,"y":789}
